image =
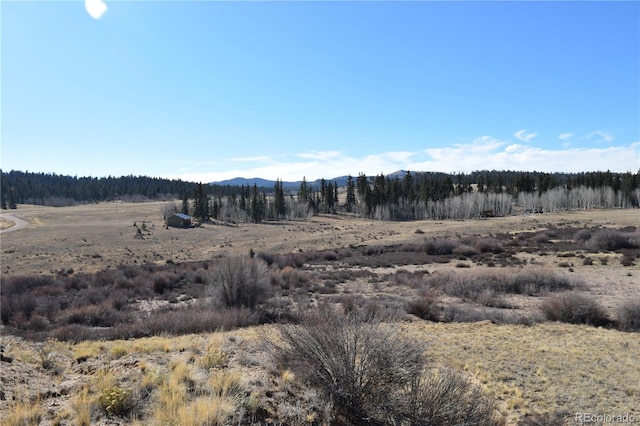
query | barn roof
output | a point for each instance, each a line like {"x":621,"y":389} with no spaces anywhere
{"x":183,"y":216}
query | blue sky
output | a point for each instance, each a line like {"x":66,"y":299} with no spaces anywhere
{"x":208,"y":90}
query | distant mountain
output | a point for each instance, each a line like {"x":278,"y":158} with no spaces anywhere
{"x":264,"y":183}
{"x":244,"y":181}
{"x":341,"y":180}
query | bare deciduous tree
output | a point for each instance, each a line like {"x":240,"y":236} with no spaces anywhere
{"x":240,"y":282}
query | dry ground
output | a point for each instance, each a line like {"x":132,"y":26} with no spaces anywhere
{"x":91,"y":237}
{"x":541,"y":368}
{"x":538,"y":368}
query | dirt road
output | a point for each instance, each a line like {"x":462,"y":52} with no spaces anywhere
{"x":17,"y":222}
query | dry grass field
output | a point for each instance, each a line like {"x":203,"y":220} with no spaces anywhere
{"x":498,"y":338}
{"x":73,"y":236}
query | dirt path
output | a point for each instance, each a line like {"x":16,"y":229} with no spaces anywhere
{"x":17,"y":222}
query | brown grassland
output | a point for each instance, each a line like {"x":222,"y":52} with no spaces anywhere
{"x":497,"y":336}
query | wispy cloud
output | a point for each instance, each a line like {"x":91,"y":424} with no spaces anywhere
{"x":600,"y":136}
{"x":524,"y":136}
{"x":484,"y":153}
{"x":319,"y":155}
{"x":565,"y":136}
{"x":256,"y":159}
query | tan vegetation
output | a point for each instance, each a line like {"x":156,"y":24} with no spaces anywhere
{"x":92,"y":237}
{"x":120,"y":330}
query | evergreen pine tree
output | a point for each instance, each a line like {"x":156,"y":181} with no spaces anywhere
{"x":185,"y":204}
{"x":11,"y":199}
{"x":243,"y":199}
{"x":303,"y":192}
{"x":280,"y":205}
{"x":201,"y":203}
{"x":351,"y":194}
{"x":362,"y":184}
{"x":256,"y":209}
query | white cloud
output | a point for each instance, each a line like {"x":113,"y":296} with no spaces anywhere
{"x":565,"y":136}
{"x":600,"y":136}
{"x":485,"y":153}
{"x":524,"y":136}
{"x":319,"y":155}
{"x":515,"y":148}
{"x":256,"y":159}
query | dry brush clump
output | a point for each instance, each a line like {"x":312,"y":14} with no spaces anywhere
{"x":373,"y":375}
{"x":610,"y":239}
{"x":486,"y":288}
{"x":288,"y":278}
{"x":425,"y":306}
{"x":574,"y":308}
{"x":115,"y":303}
{"x":240,"y":282}
{"x":628,"y":315}
{"x":475,"y":285}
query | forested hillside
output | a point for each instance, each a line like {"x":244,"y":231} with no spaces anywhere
{"x":398,"y":196}
{"x":58,"y":190}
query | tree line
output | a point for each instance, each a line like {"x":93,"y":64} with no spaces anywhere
{"x":55,"y":190}
{"x":399,"y":196}
{"x":417,"y":196}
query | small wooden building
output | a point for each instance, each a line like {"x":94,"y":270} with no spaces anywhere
{"x":179,"y":220}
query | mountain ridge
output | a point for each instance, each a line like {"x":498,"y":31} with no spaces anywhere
{"x":340,"y":180}
{"x":266,"y":183}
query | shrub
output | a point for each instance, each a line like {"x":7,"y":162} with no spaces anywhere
{"x":164,"y":281}
{"x":489,"y":245}
{"x":95,"y":316}
{"x":116,"y":401}
{"x":611,"y":239}
{"x":193,"y":319}
{"x":425,"y":307}
{"x":628,"y":315}
{"x":574,"y":308}
{"x":241,"y":282}
{"x":440,"y":246}
{"x":582,"y":235}
{"x":17,"y":305}
{"x":375,"y":376}
{"x":24,"y":284}
{"x":409,"y":279}
{"x":465,"y":250}
{"x":474,"y":285}
{"x":355,"y":363}
{"x":627,"y":261}
{"x":214,"y":358}
{"x":541,"y":238}
{"x":444,"y":396}
{"x":288,"y":278}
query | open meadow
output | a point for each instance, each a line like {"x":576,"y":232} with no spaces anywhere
{"x":111,"y":318}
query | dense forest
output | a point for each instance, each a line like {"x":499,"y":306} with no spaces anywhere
{"x":58,"y":190}
{"x":400,"y":196}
